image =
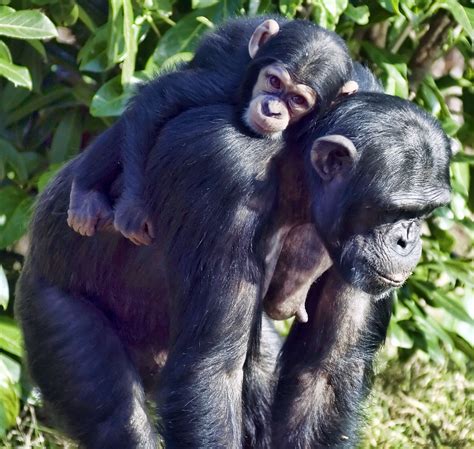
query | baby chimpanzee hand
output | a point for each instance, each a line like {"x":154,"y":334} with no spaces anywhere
{"x":132,"y":220}
{"x":89,"y":211}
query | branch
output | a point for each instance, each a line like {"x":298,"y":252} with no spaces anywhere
{"x":429,"y":47}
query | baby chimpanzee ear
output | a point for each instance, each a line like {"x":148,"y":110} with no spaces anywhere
{"x":333,"y":156}
{"x":262,"y":34}
{"x":351,"y":87}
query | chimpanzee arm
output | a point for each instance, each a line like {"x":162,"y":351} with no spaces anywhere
{"x":200,"y":392}
{"x":128,"y":142}
{"x":155,"y":104}
{"x":326,"y":367}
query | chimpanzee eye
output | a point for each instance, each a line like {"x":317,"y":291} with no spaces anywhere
{"x":274,"y":82}
{"x":299,"y":100}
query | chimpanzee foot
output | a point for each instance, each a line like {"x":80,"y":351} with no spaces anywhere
{"x":88,"y":211}
{"x":134,"y":223}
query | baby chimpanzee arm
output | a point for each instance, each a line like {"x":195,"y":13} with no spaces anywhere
{"x":128,"y":142}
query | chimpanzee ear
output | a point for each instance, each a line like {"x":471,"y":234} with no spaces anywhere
{"x":351,"y":87}
{"x":262,"y":34}
{"x":333,"y":156}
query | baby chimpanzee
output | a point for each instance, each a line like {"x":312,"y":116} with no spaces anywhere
{"x":275,"y":71}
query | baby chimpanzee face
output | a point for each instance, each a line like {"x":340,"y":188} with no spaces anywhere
{"x":294,"y":69}
{"x":277,"y":101}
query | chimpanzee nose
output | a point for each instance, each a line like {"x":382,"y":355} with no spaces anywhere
{"x":271,"y":108}
{"x":407,"y":237}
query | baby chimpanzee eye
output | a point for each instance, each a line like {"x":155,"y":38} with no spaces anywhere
{"x":274,"y":81}
{"x":299,"y":100}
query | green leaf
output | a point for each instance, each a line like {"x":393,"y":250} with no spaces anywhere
{"x":47,"y":176}
{"x":396,"y":81}
{"x":18,"y":75}
{"x":36,"y":102}
{"x":27,"y":25}
{"x":10,"y":198}
{"x":93,"y":55}
{"x":328,"y":12}
{"x":5,"y":52}
{"x":359,"y":14}
{"x":399,"y":337}
{"x":110,"y":100}
{"x":16,"y":224}
{"x":195,"y":4}
{"x":10,"y":337}
{"x":4,"y":289}
{"x":389,"y":5}
{"x":115,"y":37}
{"x":289,"y":7}
{"x":130,"y":36}
{"x":436,"y":296}
{"x":463,"y":158}
{"x":9,"y":392}
{"x":39,"y":47}
{"x":176,"y":59}
{"x":65,"y":12}
{"x":10,"y":156}
{"x":459,"y":14}
{"x":178,"y":39}
{"x":184,"y":35}
{"x":67,"y":138}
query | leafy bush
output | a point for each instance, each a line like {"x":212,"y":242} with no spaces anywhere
{"x":68,"y":67}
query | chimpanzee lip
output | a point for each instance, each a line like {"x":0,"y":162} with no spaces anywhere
{"x":387,"y":279}
{"x":264,"y":128}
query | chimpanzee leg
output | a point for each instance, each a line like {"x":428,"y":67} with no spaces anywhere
{"x":326,"y":367}
{"x":259,"y":386}
{"x":83,"y":372}
{"x":200,"y":389}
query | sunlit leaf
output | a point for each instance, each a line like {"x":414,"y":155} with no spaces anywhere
{"x":399,"y":337}
{"x":288,"y":7}
{"x":111,"y":99}
{"x":18,"y":75}
{"x":130,"y":36}
{"x":27,"y":25}
{"x":4,"y":289}
{"x":459,"y":13}
{"x":359,"y":14}
{"x":10,"y":336}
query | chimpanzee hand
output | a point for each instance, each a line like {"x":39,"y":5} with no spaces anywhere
{"x":132,"y":220}
{"x":89,"y":211}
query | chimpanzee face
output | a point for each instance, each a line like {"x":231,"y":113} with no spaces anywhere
{"x":294,"y":69}
{"x":277,"y":101}
{"x":371,"y":192}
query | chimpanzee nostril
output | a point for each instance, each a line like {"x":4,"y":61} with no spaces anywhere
{"x":271,"y":109}
{"x":402,"y":243}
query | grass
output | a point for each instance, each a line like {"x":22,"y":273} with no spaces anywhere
{"x":421,"y":405}
{"x":413,"y":405}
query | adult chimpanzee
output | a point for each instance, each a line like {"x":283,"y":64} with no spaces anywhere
{"x":304,"y":258}
{"x":100,"y":316}
{"x":325,"y":367}
{"x":250,"y":62}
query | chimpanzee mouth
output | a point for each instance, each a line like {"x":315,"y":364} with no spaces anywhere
{"x":389,"y":280}
{"x":264,"y":129}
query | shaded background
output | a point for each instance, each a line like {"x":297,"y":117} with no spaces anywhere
{"x":67,"y":69}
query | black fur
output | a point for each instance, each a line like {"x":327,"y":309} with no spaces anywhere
{"x":217,"y":74}
{"x":100,"y":315}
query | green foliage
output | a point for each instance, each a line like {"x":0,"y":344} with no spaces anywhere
{"x":67,"y":69}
